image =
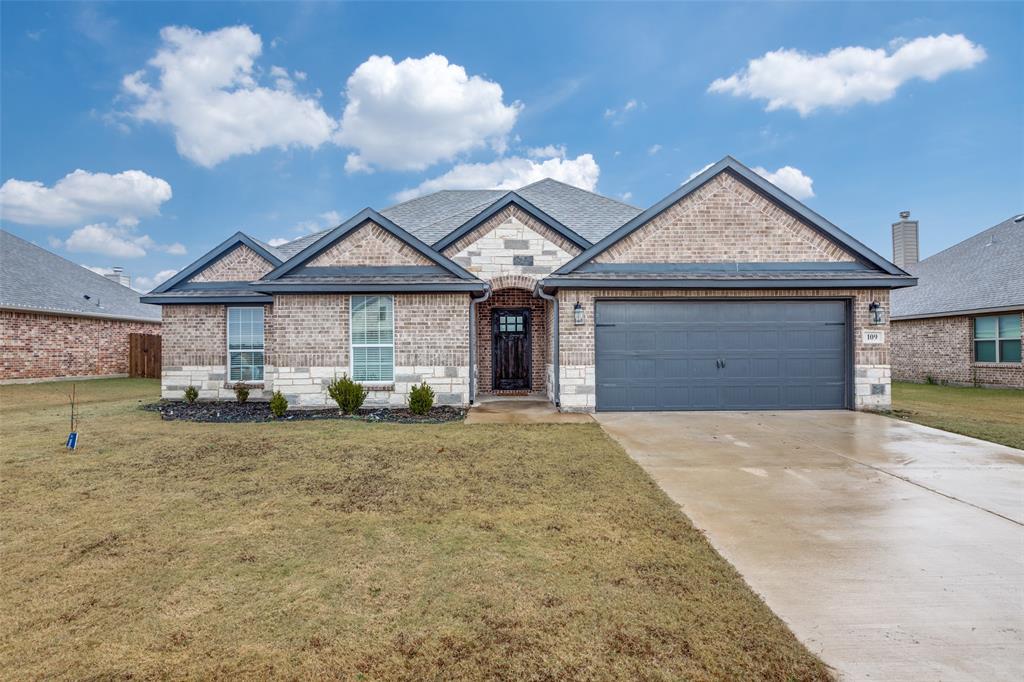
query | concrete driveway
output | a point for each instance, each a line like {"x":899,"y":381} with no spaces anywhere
{"x":892,"y":550}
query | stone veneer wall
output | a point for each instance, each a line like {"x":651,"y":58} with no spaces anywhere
{"x":724,"y":221}
{"x":941,"y":348}
{"x":240,"y":264}
{"x":44,"y":346}
{"x":513,"y":298}
{"x":872,"y":389}
{"x":493,"y":249}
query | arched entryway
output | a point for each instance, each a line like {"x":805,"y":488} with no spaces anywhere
{"x":512,"y":339}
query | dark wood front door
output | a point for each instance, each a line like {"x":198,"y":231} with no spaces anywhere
{"x":510,"y":353}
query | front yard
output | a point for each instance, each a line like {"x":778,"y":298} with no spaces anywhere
{"x":991,"y":414}
{"x":355,"y":551}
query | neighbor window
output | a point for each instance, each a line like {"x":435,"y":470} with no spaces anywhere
{"x":997,"y":338}
{"x":373,"y":339}
{"x":245,"y":344}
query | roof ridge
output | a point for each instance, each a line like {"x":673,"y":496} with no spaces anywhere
{"x":439,"y":191}
{"x":566,"y":184}
{"x":1011,"y":219}
{"x":482,"y":206}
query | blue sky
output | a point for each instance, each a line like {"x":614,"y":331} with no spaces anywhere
{"x":868,"y":108}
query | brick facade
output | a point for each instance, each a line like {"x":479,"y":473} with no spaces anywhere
{"x":724,"y":221}
{"x":941,"y":349}
{"x":42,"y":346}
{"x":513,"y":298}
{"x":576,"y":351}
{"x":369,"y":245}
{"x":240,"y":264}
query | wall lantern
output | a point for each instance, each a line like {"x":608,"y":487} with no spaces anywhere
{"x":577,"y":314}
{"x":877,"y":314}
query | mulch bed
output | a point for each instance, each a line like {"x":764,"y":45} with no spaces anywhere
{"x":228,"y":412}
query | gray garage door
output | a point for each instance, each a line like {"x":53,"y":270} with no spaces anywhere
{"x":721,"y":355}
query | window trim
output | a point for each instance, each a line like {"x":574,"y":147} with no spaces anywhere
{"x":352,"y":346}
{"x":996,"y":340}
{"x":227,"y":345}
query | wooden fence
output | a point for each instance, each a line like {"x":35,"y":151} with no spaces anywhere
{"x":144,"y":355}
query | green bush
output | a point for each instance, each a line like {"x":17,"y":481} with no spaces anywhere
{"x":191,"y":394}
{"x":348,"y":394}
{"x":278,"y":404}
{"x":241,"y":392}
{"x":421,"y":399}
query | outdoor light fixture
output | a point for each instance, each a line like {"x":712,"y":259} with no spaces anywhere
{"x":877,"y":314}
{"x":577,"y":314}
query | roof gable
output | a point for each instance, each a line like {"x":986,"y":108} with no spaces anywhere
{"x":511,"y":199}
{"x":215,"y":254}
{"x":783,"y":201}
{"x":356,"y":222}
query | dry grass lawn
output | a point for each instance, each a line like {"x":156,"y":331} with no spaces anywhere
{"x":991,"y":414}
{"x":345,"y":550}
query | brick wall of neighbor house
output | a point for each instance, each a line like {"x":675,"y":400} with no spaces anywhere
{"x":872,"y":380}
{"x":513,"y":298}
{"x":724,"y":221}
{"x":311,"y":335}
{"x":241,"y":264}
{"x":195,"y":352}
{"x":940,"y":348}
{"x":369,"y":245}
{"x":511,"y":243}
{"x":41,"y":346}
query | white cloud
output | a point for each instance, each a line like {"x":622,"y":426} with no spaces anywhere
{"x":410,"y":115}
{"x":789,"y":179}
{"x":118,"y":241}
{"x":653,"y":149}
{"x":207,"y":92}
{"x":322,"y":222}
{"x":618,"y":116}
{"x":547,"y":152}
{"x":696,"y":173}
{"x":82,"y":196}
{"x":511,"y":173}
{"x":144,"y":284}
{"x":278,"y":241}
{"x":847,"y":75}
{"x":626,"y":196}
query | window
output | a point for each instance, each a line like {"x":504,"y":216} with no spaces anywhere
{"x":245,"y":344}
{"x":373,"y":339}
{"x":997,"y":338}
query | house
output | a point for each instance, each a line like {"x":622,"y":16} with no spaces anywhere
{"x":60,"y":320}
{"x":726,"y":294}
{"x":962,"y":323}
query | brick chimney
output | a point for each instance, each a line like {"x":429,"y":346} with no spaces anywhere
{"x":904,"y":240}
{"x":117,"y":274}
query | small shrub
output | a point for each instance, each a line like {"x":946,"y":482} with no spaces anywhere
{"x":278,"y":404}
{"x":348,"y":394}
{"x":930,"y":380}
{"x":241,"y":392}
{"x":191,"y":394}
{"x":421,"y":399}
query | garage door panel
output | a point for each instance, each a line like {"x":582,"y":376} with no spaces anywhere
{"x":664,"y":355}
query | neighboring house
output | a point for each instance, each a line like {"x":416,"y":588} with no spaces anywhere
{"x":726,"y":294}
{"x":962,"y":323}
{"x":60,"y":320}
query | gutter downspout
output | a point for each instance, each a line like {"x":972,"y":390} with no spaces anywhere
{"x":548,"y":297}
{"x":472,"y":340}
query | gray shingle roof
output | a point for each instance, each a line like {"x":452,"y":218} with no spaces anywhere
{"x":32,"y":278}
{"x":589,"y":215}
{"x":980,"y":273}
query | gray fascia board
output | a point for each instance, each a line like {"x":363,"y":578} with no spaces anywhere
{"x":499,"y":205}
{"x":356,"y":221}
{"x":730,"y":164}
{"x":553,"y":283}
{"x":75,"y":313}
{"x":212,"y":255}
{"x":959,"y":313}
{"x":419,"y":287}
{"x":792,"y":266}
{"x":203,"y":300}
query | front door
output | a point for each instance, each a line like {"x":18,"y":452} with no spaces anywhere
{"x":510,"y":353}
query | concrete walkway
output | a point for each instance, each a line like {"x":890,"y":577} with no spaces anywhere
{"x":526,"y":410}
{"x":893,"y":550}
